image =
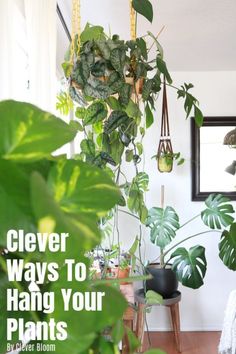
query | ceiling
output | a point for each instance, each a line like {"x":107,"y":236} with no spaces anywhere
{"x":199,"y":35}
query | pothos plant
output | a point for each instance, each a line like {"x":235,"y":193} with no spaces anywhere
{"x":42,"y":193}
{"x":190,"y":265}
{"x":113,"y":85}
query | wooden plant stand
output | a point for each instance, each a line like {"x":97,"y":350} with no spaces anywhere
{"x":172,"y":304}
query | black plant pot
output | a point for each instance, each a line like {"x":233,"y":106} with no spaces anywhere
{"x":164,"y":280}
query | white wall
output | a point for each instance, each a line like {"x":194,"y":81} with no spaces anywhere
{"x":201,"y":309}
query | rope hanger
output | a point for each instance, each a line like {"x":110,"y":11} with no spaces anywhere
{"x":76,"y":27}
{"x":165,"y":145}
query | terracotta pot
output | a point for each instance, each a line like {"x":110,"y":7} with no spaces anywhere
{"x":118,"y":273}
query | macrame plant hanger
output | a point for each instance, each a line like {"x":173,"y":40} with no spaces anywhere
{"x":75,"y":31}
{"x":133,"y":22}
{"x":165,"y":151}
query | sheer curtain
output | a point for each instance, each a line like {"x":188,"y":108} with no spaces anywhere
{"x":28,"y":51}
{"x":41,"y":34}
{"x":13,"y":57}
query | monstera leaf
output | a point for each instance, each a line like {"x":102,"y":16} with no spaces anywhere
{"x":163,"y":224}
{"x":190,"y":266}
{"x":217,"y":213}
{"x":227,"y":247}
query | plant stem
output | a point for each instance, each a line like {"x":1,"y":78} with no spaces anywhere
{"x":190,"y":220}
{"x":188,"y":238}
{"x":126,"y":212}
{"x":174,"y":87}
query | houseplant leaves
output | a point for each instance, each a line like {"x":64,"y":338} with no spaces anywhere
{"x":227,"y":247}
{"x":96,"y":112}
{"x":217,"y":213}
{"x":79,"y":187}
{"x":29,"y":134}
{"x":190,"y":266}
{"x":144,"y":8}
{"x":163,"y":224}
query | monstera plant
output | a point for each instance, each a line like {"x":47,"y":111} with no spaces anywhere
{"x":190,"y":265}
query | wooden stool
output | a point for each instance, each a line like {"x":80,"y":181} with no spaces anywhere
{"x":128,"y":319}
{"x":172,"y":303}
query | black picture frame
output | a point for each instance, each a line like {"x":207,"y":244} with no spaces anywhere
{"x":196,"y":194}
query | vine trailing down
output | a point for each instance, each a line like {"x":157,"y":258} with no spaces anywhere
{"x":112,"y":86}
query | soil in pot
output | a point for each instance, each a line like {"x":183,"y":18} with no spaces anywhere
{"x":164,"y":280}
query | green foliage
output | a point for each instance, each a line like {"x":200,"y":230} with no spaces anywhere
{"x":115,"y":120}
{"x":149,"y":116}
{"x":190,"y":266}
{"x":64,"y":103}
{"x":48,"y":194}
{"x":144,"y":8}
{"x":163,"y":224}
{"x":190,"y":103}
{"x":78,"y":188}
{"x":155,"y":351}
{"x":26,"y":132}
{"x":161,"y":65}
{"x":227,"y":247}
{"x":153,"y":298}
{"x":95,"y":113}
{"x":217,"y":213}
{"x":135,"y":194}
{"x":91,"y":33}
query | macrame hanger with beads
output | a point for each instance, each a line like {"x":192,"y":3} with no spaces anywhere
{"x":165,"y":151}
{"x":75,"y":31}
{"x":133,"y":22}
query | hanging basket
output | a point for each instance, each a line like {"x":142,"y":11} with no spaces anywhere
{"x":165,"y":156}
{"x":165,"y":151}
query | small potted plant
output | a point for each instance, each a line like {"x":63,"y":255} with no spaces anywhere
{"x":188,"y":266}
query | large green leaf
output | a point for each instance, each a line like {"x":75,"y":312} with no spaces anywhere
{"x":29,"y":134}
{"x":161,"y":65}
{"x":227,"y":247}
{"x":4,"y":314}
{"x":163,"y":224}
{"x":81,"y":72}
{"x":91,"y":33}
{"x":15,"y":207}
{"x":149,"y":116}
{"x":144,"y":8}
{"x":217,"y":213}
{"x":115,"y":82}
{"x":96,"y":112}
{"x":125,"y":93}
{"x":79,"y":187}
{"x":115,"y":119}
{"x":97,"y":89}
{"x":140,"y":182}
{"x":190,"y":266}
{"x":93,"y":321}
{"x":82,"y":229}
{"x":117,"y":148}
{"x":117,"y":58}
{"x":104,"y":48}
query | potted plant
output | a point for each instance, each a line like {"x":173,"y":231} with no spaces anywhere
{"x":109,"y":80}
{"x":188,"y":266}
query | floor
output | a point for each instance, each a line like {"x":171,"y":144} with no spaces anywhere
{"x":191,"y":342}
